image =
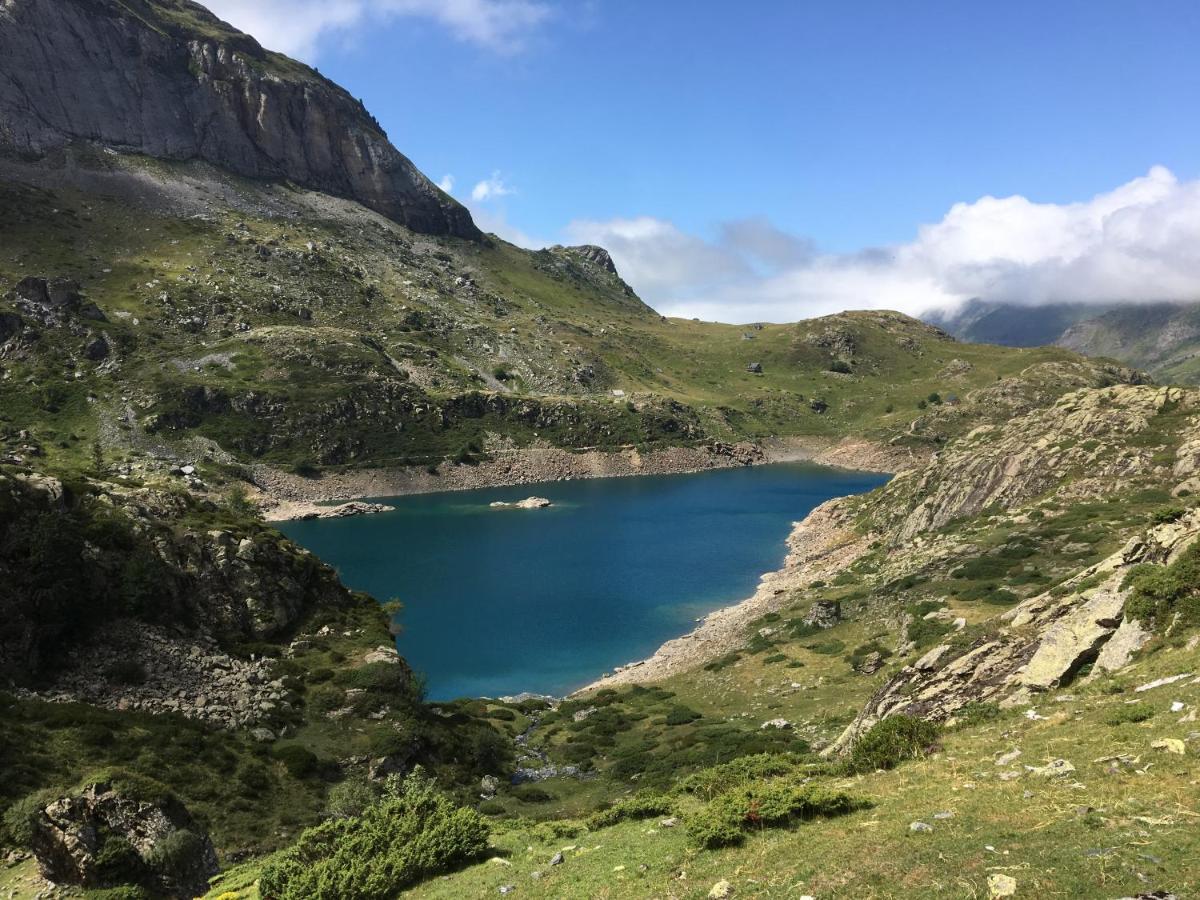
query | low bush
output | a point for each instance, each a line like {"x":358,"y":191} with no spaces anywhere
{"x":298,"y":760}
{"x":725,"y":820}
{"x":973,"y":714}
{"x":532,"y":794}
{"x":710,"y":782}
{"x":889,"y":743}
{"x":640,"y":806}
{"x":1129,"y":713}
{"x":414,"y":833}
{"x":722,"y":662}
{"x":681,"y":715}
{"x":831,"y":647}
{"x":351,"y":797}
{"x":1157,"y":594}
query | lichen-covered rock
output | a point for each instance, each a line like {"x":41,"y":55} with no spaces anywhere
{"x":102,"y":838}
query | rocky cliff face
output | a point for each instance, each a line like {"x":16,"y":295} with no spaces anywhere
{"x":1095,"y":438}
{"x":73,"y":560}
{"x":167,"y":79}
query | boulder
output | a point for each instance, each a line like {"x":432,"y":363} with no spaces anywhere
{"x":96,"y":349}
{"x":1076,"y":638}
{"x":824,"y":614}
{"x":103,"y":838}
{"x":1129,"y":638}
{"x":527,"y":503}
{"x":754,"y":367}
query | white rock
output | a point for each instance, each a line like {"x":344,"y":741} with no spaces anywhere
{"x":1000,"y":886}
{"x":1171,"y":679}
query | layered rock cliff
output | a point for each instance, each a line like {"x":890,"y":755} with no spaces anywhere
{"x":167,"y":79}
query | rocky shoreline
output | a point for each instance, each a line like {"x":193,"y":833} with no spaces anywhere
{"x":818,"y":547}
{"x":283,"y":496}
{"x":821,"y":545}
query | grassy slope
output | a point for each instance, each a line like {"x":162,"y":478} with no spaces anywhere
{"x":345,"y":354}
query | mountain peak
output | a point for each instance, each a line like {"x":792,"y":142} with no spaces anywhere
{"x":167,"y":79}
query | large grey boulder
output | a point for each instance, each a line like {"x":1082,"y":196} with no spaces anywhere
{"x":170,"y":80}
{"x":101,"y":838}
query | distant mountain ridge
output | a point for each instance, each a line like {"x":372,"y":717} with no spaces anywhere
{"x":1161,"y":338}
{"x":171,"y":81}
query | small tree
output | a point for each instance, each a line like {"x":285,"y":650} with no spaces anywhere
{"x":99,"y":465}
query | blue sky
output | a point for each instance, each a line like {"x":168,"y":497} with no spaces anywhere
{"x":832,"y":128}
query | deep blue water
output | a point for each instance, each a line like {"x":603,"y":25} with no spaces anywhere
{"x":500,"y":601}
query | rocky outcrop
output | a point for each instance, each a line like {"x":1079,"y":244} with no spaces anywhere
{"x":824,"y":614}
{"x":146,"y":554}
{"x":1106,"y":435}
{"x":1039,"y":645}
{"x":587,"y":263}
{"x":167,"y":79}
{"x":527,"y":503}
{"x":103,"y":838}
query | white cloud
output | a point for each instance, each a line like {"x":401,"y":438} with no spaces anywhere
{"x":447,"y":183}
{"x":491,"y":189}
{"x":297,"y":27}
{"x":1140,"y":241}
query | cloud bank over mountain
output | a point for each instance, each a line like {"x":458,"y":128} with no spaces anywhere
{"x":1140,"y":241}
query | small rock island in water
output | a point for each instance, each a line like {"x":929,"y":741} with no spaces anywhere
{"x":527,"y":503}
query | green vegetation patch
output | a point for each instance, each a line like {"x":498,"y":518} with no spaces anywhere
{"x":413,"y":833}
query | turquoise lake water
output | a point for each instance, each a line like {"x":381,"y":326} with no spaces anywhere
{"x":499,"y":601}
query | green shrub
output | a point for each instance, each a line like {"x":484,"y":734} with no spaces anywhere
{"x":118,"y":862}
{"x":831,"y":647}
{"x":725,"y":820}
{"x":532,"y":794}
{"x":19,"y":818}
{"x":502,"y":714}
{"x":840,"y":366}
{"x":774,"y":658}
{"x":1167,"y":514}
{"x":1129,"y":713}
{"x":681,"y":715}
{"x":325,"y":698}
{"x":492,"y":808}
{"x":923,"y":632}
{"x":714,"y":780}
{"x":890,"y":742}
{"x":124,"y":892}
{"x":414,"y":833}
{"x":1158,"y":593}
{"x":175,"y":852}
{"x":1000,"y":597}
{"x":351,"y":797}
{"x":640,"y":806}
{"x":723,"y":662}
{"x":298,"y":760}
{"x":973,"y":714}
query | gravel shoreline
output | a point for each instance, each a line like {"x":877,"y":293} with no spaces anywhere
{"x":819,"y":547}
{"x":282,"y":496}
